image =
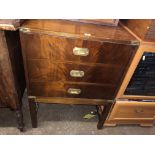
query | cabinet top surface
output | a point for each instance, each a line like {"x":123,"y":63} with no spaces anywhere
{"x":81,"y":30}
{"x":10,"y":24}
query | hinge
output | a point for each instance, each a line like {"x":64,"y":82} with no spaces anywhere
{"x":135,"y":42}
{"x":31,"y":97}
{"x":25,"y":30}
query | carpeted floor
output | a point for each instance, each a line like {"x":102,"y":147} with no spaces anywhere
{"x":64,"y":120}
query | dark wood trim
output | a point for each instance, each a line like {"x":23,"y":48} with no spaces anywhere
{"x":59,"y":100}
{"x":20,"y":122}
{"x":103,"y":112}
{"x":33,"y":112}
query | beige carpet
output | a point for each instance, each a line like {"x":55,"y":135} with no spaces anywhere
{"x":64,"y":120}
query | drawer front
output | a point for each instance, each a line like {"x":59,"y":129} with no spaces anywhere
{"x":37,"y":46}
{"x":46,"y":70}
{"x":72,"y":90}
{"x":133,"y":110}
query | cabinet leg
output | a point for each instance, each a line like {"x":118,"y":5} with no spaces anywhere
{"x":20,"y":121}
{"x":33,"y":113}
{"x":103,"y":112}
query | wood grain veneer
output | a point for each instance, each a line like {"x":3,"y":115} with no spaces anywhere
{"x":48,"y":46}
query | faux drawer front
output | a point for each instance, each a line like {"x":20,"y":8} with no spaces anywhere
{"x":73,"y":90}
{"x":131,"y":110}
{"x":46,"y":70}
{"x":37,"y":46}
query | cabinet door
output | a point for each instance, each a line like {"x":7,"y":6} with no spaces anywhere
{"x":142,"y":82}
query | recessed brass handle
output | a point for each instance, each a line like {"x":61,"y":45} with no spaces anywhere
{"x":25,"y":30}
{"x":139,"y":110}
{"x":76,"y":73}
{"x":74,"y":91}
{"x":80,"y":51}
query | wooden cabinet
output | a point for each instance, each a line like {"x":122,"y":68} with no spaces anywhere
{"x":139,"y":80}
{"x":74,"y":62}
{"x":136,"y":95}
{"x":132,"y":112}
{"x":12,"y":81}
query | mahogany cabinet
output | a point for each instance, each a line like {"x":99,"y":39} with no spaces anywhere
{"x":12,"y":81}
{"x":68,"y":62}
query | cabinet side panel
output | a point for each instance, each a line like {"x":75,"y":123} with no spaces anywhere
{"x":7,"y":88}
{"x":14,"y":48}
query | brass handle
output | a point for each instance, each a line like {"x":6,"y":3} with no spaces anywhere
{"x":76,"y":73}
{"x":74,"y":91}
{"x":139,"y":110}
{"x":25,"y":30}
{"x":80,"y":51}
